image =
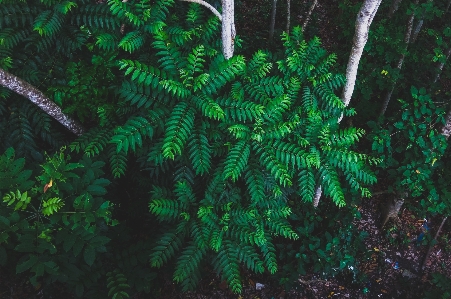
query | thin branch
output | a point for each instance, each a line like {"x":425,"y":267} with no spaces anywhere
{"x":407,"y":36}
{"x":207,"y":5}
{"x":309,"y":13}
{"x":30,"y":92}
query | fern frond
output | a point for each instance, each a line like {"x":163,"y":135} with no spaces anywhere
{"x":131,"y":134}
{"x":255,"y":181}
{"x":236,"y":160}
{"x":227,"y":264}
{"x":277,"y":169}
{"x":208,"y":107}
{"x":48,"y":23}
{"x":118,"y":162}
{"x":178,"y":128}
{"x":187,"y":268}
{"x":143,"y":74}
{"x":200,"y":151}
{"x":51,"y":206}
{"x":331,"y":183}
{"x":107,"y":41}
{"x":307,"y":185}
{"x":166,"y":247}
{"x":132,"y":41}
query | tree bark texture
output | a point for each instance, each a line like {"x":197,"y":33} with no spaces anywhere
{"x":362,"y":25}
{"x":309,"y":13}
{"x":228,"y":28}
{"x":273,"y":20}
{"x":30,"y":92}
{"x":418,"y":27}
{"x":446,"y":129}
{"x":441,"y":65}
{"x":393,"y":8}
{"x":407,"y":36}
{"x":288,"y":15}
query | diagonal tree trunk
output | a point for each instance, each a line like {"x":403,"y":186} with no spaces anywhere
{"x":400,"y":62}
{"x":309,"y":13}
{"x":364,"y":19}
{"x":441,"y":65}
{"x":38,"y":98}
{"x":418,"y":27}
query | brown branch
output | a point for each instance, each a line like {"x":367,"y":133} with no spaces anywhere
{"x":30,"y":92}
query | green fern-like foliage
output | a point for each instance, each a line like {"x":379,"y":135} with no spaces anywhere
{"x":228,"y":143}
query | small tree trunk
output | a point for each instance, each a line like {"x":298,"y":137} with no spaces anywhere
{"x":288,"y":15}
{"x":417,"y":30}
{"x":437,"y":234}
{"x":38,"y":98}
{"x":228,"y":32}
{"x":393,"y":8}
{"x":446,"y":129}
{"x":418,"y":26}
{"x":309,"y":13}
{"x":441,"y":65}
{"x":364,"y":18}
{"x":447,"y":6}
{"x":362,"y":25}
{"x":273,"y":20}
{"x":400,"y":62}
{"x":228,"y":28}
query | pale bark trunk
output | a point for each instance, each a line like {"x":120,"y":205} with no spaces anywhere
{"x":446,"y":129}
{"x":309,"y":13}
{"x":417,"y":30}
{"x":207,"y":5}
{"x":364,"y":18}
{"x":447,"y":6}
{"x":273,"y":20}
{"x":228,"y":28}
{"x":363,"y":21}
{"x":30,"y":92}
{"x":441,"y":65}
{"x":400,"y":62}
{"x":227,"y":18}
{"x":393,"y":8}
{"x":288,"y":15}
{"x":418,"y":26}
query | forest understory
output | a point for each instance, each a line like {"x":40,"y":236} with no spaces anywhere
{"x":395,"y":253}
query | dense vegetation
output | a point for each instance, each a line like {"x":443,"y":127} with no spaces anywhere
{"x":191,"y":161}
